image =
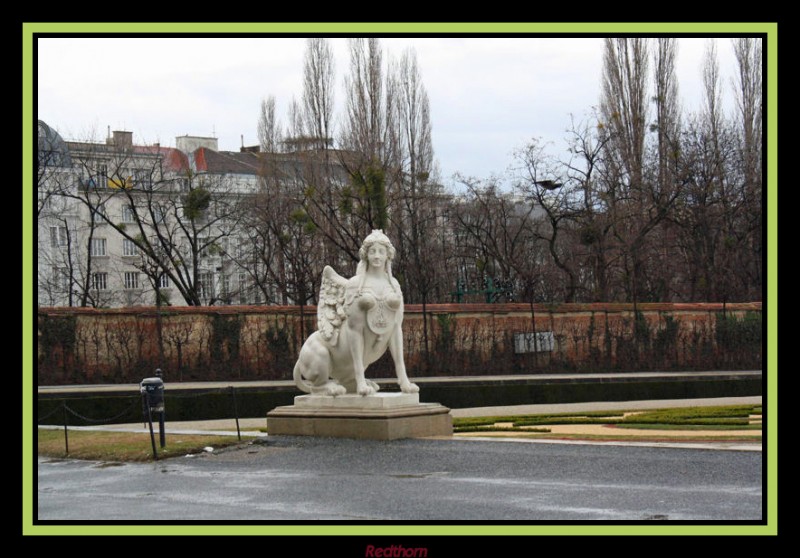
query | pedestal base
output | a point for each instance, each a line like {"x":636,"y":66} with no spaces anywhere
{"x":383,"y":416}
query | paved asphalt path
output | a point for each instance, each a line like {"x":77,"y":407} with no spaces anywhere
{"x":310,"y":479}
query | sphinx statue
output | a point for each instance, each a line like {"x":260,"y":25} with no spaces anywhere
{"x":357,"y":320}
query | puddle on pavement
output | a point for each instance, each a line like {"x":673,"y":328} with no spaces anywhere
{"x":108,"y":464}
{"x":419,"y":475}
{"x":240,"y":453}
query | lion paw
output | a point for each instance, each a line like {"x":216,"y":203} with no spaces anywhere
{"x":335,"y":389}
{"x":373,"y":385}
{"x":408,"y":387}
{"x":366,"y":389}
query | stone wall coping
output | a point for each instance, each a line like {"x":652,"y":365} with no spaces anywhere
{"x":506,"y":308}
{"x":177,"y":387}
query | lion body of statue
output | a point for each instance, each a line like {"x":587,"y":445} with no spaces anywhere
{"x":358,"y":319}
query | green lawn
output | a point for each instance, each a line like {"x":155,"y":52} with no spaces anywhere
{"x":125,"y":446}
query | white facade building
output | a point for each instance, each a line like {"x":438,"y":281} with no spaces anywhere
{"x":117,"y":220}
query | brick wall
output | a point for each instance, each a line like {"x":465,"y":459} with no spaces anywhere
{"x":79,"y":345}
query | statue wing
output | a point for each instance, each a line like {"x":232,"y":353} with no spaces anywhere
{"x":330,"y":309}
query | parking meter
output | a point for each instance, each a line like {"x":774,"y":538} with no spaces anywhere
{"x":152,"y":390}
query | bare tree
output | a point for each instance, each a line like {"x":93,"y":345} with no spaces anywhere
{"x":712,"y":94}
{"x":88,"y":285}
{"x":748,"y":89}
{"x":624,"y":103}
{"x":413,"y":120}
{"x":169,"y":220}
{"x":321,"y":183}
{"x":638,"y":200}
{"x":542,"y":182}
{"x":748,"y":85}
{"x":318,"y":77}
{"x":281,"y":249}
{"x":269,"y":135}
{"x":365,"y":130}
{"x":500,"y":235}
{"x":71,"y":213}
{"x":707,"y":154}
{"x":257,"y":253}
{"x":416,"y":197}
{"x":585,"y":175}
{"x":667,"y":124}
{"x":415,"y":149}
{"x":366,"y":138}
{"x":295,"y":137}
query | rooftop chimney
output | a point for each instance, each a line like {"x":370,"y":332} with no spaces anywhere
{"x":122,"y":140}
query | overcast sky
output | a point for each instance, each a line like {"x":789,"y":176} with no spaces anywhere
{"x":488,"y":96}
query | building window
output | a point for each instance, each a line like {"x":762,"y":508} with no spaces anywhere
{"x":225,"y":288}
{"x":243,"y":288}
{"x":99,"y":281}
{"x":163,"y":281}
{"x":158,"y":214}
{"x":131,"y":279}
{"x":88,"y":181}
{"x":61,"y":279}
{"x":129,"y":248}
{"x":143,"y":179}
{"x":58,"y":236}
{"x":211,"y":248}
{"x":44,"y":200}
{"x":128,"y":215}
{"x":99,"y":178}
{"x":98,"y":247}
{"x":205,"y":285}
{"x":100,"y":211}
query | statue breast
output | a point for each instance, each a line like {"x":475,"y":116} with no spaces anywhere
{"x":383,"y":317}
{"x":382,"y":309}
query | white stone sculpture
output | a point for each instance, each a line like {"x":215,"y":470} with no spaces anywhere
{"x":357,"y":320}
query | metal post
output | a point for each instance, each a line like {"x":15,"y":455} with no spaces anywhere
{"x":66,"y":436}
{"x":236,"y":413}
{"x":152,"y":435}
{"x":162,"y":436}
{"x":535,"y":337}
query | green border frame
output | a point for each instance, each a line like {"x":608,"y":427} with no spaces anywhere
{"x":769,"y":29}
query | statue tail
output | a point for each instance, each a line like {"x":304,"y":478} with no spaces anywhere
{"x":301,"y":383}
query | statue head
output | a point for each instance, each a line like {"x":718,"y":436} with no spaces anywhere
{"x":375,"y":237}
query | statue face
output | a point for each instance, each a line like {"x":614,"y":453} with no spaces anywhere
{"x":376,"y":255}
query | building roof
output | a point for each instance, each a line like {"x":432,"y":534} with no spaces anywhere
{"x":174,"y":159}
{"x":226,"y":162}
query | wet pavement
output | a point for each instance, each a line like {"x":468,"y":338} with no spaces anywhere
{"x":301,"y":479}
{"x":305,"y":479}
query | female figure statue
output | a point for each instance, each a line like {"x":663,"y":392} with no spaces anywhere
{"x":357,"y":320}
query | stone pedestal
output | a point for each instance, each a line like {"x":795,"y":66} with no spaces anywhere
{"x":383,"y":416}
